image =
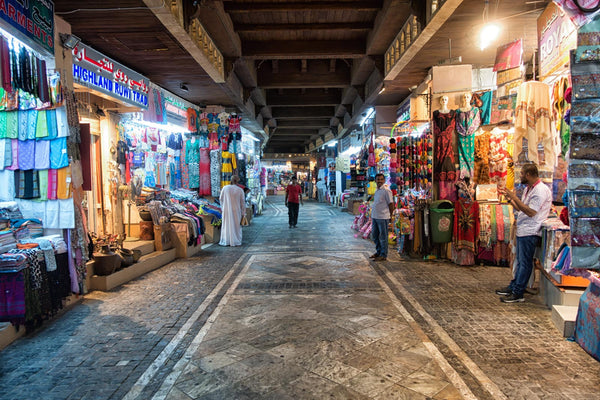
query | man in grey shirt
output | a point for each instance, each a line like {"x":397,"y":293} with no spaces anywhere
{"x":381,"y":212}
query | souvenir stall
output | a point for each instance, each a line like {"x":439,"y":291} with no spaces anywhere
{"x":43,"y":242}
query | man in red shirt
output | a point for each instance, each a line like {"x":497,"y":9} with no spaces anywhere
{"x":293,"y":199}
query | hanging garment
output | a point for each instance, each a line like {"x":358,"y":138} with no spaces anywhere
{"x":215,"y":172}
{"x":205,"y":184}
{"x":533,"y":122}
{"x":466,"y":232}
{"x":5,"y":65}
{"x":498,"y":156}
{"x":481,"y":171}
{"x":467,"y":122}
{"x":27,"y":184}
{"x":227,"y":167}
{"x":443,"y":131}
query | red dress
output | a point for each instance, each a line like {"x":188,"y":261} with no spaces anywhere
{"x":466,"y":231}
{"x":444,"y":162}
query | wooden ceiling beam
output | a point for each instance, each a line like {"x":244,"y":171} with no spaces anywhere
{"x":280,"y":113}
{"x":340,"y":26}
{"x":314,"y":123}
{"x":389,"y":21}
{"x":297,"y":80}
{"x":244,"y":8}
{"x":303,"y":49}
{"x":307,"y":99}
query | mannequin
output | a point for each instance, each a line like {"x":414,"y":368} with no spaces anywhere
{"x":444,"y":105}
{"x":465,"y":102}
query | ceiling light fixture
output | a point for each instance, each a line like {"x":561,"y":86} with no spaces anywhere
{"x":69,"y":41}
{"x":490,"y":31}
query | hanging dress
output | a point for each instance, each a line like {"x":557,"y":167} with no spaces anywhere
{"x":227,"y":167}
{"x":481,"y":173}
{"x":215,"y":172}
{"x":467,"y":122}
{"x":205,"y":186}
{"x":192,"y":158}
{"x":444,"y":170}
{"x":466,"y":231}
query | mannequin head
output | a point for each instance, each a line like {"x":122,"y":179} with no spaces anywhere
{"x":444,"y":102}
{"x":466,"y":99}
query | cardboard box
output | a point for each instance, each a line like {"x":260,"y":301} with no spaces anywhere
{"x":213,"y":233}
{"x":180,"y":239}
{"x":162,"y":237}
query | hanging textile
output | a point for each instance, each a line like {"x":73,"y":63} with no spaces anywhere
{"x":215,"y":172}
{"x":444,"y":170}
{"x":227,"y":167}
{"x":204,"y":170}
{"x":466,"y":232}
{"x":533,"y":122}
{"x":481,"y":173}
{"x":467,"y":122}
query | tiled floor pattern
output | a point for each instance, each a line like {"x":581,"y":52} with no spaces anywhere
{"x":301,"y":314}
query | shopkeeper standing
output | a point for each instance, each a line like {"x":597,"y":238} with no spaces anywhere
{"x":532,"y":209}
{"x":381,"y":212}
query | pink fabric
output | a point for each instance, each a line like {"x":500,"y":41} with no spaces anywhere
{"x":52,"y":184}
{"x":205,"y":188}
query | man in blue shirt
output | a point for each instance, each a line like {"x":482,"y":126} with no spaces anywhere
{"x":381,"y":212}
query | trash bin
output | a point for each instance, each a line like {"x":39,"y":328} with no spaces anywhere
{"x":442,"y":219}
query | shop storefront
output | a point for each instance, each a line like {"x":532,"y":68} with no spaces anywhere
{"x":43,"y":238}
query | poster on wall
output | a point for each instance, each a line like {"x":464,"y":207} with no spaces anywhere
{"x":31,"y":21}
{"x":509,"y":56}
{"x":556,"y":37}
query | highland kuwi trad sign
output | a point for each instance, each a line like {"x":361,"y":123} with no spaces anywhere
{"x":31,"y":21}
{"x":96,"y":71}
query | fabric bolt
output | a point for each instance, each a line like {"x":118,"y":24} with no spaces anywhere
{"x":58,"y":153}
{"x":467,"y":122}
{"x":5,"y":153}
{"x":52,"y":184}
{"x":41,"y":127}
{"x":62,"y":124}
{"x":26,"y":154}
{"x":204,"y":171}
{"x":27,"y":184}
{"x":12,"y":125}
{"x":533,"y":122}
{"x":215,"y":172}
{"x":43,"y":177}
{"x":481,"y":172}
{"x":585,"y":146}
{"x":42,"y":154}
{"x":7,"y":181}
{"x":64,"y":187}
{"x":51,"y":125}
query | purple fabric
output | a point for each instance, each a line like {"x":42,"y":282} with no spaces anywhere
{"x":12,"y":296}
{"x":42,"y":154}
{"x":26,"y":154}
{"x":14,"y":143}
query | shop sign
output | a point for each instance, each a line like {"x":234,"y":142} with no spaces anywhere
{"x":33,"y":19}
{"x":175,"y":106}
{"x":96,"y":71}
{"x":403,"y":111}
{"x":557,"y":36}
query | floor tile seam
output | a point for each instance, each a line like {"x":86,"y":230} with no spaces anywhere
{"x":171,"y":379}
{"x":453,"y":376}
{"x":444,"y":338}
{"x":136,"y":390}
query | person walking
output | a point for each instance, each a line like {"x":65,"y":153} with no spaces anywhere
{"x":531,"y":211}
{"x":293,"y":199}
{"x":321,"y":187}
{"x":381,"y":212}
{"x":233,"y":206}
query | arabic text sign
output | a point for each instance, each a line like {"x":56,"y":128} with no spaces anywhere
{"x":95,"y":70}
{"x":33,"y":19}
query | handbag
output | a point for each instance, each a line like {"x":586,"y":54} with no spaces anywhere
{"x":244,"y":221}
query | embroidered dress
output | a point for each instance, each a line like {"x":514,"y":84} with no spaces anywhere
{"x":445,"y":173}
{"x":498,"y":156}
{"x":467,"y":122}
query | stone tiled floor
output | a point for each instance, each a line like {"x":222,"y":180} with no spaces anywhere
{"x":301,"y":314}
